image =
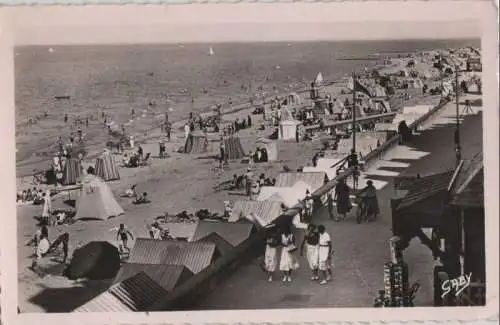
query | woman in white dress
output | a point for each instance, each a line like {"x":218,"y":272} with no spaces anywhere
{"x":271,"y":255}
{"x":310,"y":242}
{"x":325,"y":250}
{"x":288,"y":262}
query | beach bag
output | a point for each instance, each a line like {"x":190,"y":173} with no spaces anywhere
{"x":262,"y":265}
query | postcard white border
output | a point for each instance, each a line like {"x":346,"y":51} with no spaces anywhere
{"x":182,"y":17}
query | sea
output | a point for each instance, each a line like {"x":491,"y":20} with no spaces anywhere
{"x":87,"y":81}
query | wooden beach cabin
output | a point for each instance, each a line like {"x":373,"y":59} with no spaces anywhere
{"x":451,"y":205}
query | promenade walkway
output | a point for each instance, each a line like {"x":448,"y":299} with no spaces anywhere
{"x":362,"y":249}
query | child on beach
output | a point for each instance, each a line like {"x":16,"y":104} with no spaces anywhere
{"x":122,"y":237}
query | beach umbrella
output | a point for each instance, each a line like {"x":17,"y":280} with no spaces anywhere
{"x":97,"y":260}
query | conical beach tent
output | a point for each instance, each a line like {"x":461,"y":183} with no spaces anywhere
{"x":72,"y":171}
{"x":106,"y":168}
{"x":319,"y":79}
{"x":97,"y":201}
{"x":196,"y":142}
{"x":234,"y":149}
{"x":271,"y":148}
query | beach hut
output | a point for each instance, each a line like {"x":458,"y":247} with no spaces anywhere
{"x":233,"y":233}
{"x":135,"y":294}
{"x":315,"y":179}
{"x":106,"y":167}
{"x":234,"y":149}
{"x":196,"y":143}
{"x":293,"y":99}
{"x":196,"y":256}
{"x":259,"y":212}
{"x":167,"y":276}
{"x":270,"y":146}
{"x":288,"y":129}
{"x":289,"y":196}
{"x":222,"y":246}
{"x":72,"y":171}
{"x":96,"y":200}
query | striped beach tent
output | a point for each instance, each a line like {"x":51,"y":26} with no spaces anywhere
{"x":234,"y":149}
{"x":196,"y":142}
{"x":71,"y":172}
{"x":106,"y":168}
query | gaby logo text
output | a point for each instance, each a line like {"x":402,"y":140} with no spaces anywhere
{"x":458,"y":285}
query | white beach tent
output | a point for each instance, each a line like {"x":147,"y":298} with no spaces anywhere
{"x":288,"y":129}
{"x":96,"y":200}
{"x":271,"y":148}
{"x":319,"y":79}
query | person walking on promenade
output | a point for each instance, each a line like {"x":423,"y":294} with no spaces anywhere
{"x":311,"y":243}
{"x":342,"y":197}
{"x":329,"y":204}
{"x":352,"y":159}
{"x":287,"y":261}
{"x":271,"y":254}
{"x":309,"y":204}
{"x":325,"y":250}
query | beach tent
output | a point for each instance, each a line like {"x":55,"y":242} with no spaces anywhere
{"x":363,"y":146}
{"x":106,"y":168}
{"x":72,"y":171}
{"x":196,"y":143}
{"x":319,"y":79}
{"x":271,"y":148}
{"x":415,"y":83}
{"x":382,"y":105}
{"x":378,"y":91}
{"x":96,"y":200}
{"x":325,"y":165}
{"x":416,"y":109}
{"x":260,"y":212}
{"x":97,"y":260}
{"x":288,"y":129}
{"x":234,"y":149}
{"x":293,"y":99}
{"x":381,"y":136}
{"x":385,"y":127}
{"x":315,"y":180}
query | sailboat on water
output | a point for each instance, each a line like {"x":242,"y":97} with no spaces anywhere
{"x":211,"y":51}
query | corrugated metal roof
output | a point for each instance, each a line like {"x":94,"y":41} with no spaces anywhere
{"x":167,"y":276}
{"x":424,"y":188}
{"x":133,"y":294}
{"x":467,"y":173}
{"x":472,"y":195}
{"x":314,"y":179}
{"x":196,"y":256}
{"x":266,"y":210}
{"x":222,"y":245}
{"x":233,"y":233}
{"x":410,"y":183}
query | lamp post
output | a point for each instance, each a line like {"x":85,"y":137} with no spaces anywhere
{"x":458,"y":148}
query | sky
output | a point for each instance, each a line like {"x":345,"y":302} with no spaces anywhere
{"x":209,"y":23}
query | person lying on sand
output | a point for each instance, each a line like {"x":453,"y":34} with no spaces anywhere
{"x":130,"y":192}
{"x":143,"y":199}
